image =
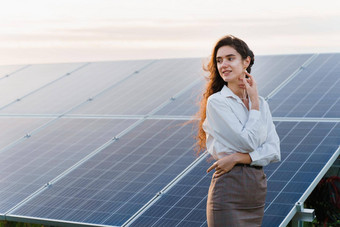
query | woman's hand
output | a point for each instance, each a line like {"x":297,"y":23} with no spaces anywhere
{"x":223,"y":165}
{"x":251,"y":88}
{"x":228,"y":162}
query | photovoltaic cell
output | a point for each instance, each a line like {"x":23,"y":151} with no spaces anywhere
{"x":314,"y":92}
{"x":76,"y":88}
{"x":114,"y":184}
{"x":269,"y":72}
{"x":185,"y":203}
{"x":31,"y":78}
{"x":147,"y":90}
{"x":13,"y":129}
{"x":35,"y":161}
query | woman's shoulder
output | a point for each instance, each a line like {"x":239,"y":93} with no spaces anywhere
{"x":215,"y":101}
{"x":215,"y":98}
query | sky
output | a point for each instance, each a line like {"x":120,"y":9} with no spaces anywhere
{"x":59,"y":31}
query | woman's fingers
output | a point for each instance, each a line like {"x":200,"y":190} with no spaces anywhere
{"x":251,"y":78}
{"x":248,"y":74}
{"x":220,"y":173}
{"x":246,"y":83}
{"x":212,"y":167}
{"x":216,"y":167}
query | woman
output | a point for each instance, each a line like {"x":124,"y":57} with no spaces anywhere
{"x":237,"y":129}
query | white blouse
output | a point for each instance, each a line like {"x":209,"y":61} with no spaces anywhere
{"x":230,"y":127}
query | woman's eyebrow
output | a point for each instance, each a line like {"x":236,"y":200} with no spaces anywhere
{"x":229,"y":55}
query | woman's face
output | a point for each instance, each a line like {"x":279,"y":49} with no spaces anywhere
{"x":230,"y":64}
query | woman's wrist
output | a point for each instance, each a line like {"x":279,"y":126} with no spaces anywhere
{"x":255,"y":103}
{"x":241,"y":158}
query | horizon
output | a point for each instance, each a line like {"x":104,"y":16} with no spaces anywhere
{"x":47,"y":32}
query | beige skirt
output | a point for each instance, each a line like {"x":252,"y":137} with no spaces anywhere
{"x":237,"y":198}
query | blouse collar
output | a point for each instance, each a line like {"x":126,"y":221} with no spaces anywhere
{"x":227,"y":92}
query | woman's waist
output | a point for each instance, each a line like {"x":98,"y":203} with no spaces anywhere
{"x":221,"y":154}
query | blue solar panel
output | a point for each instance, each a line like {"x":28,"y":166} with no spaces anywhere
{"x":31,"y":164}
{"x":32,"y":78}
{"x":314,"y":92}
{"x":147,"y":90}
{"x":287,"y":181}
{"x":14,"y":129}
{"x":77,"y":88}
{"x":269,"y":72}
{"x":111,"y":186}
{"x":185,"y":104}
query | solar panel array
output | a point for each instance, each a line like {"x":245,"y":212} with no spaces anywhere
{"x":108,"y":144}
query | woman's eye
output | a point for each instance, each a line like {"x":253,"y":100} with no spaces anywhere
{"x":219,"y":61}
{"x":230,"y":59}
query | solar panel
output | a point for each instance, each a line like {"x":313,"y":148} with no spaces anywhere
{"x":283,"y":66}
{"x":76,"y":88}
{"x":31,"y":78}
{"x":14,"y":129}
{"x":185,"y":104}
{"x":111,"y":186}
{"x":7,"y":70}
{"x":29,"y":165}
{"x":314,"y":92}
{"x":74,"y":170}
{"x":273,"y":70}
{"x":184,"y":204}
{"x":144,"y":92}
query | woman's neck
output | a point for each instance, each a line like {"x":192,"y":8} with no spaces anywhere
{"x":241,"y":93}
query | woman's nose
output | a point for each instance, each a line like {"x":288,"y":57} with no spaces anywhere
{"x":225,"y":63}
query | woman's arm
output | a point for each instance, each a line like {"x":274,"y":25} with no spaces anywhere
{"x":228,"y":162}
{"x":262,"y":156}
{"x":222,"y":124}
{"x":270,"y":150}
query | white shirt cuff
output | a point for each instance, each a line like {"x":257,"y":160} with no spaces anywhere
{"x":254,"y":114}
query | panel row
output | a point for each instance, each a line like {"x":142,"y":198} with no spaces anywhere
{"x":114,"y":87}
{"x":305,"y":147}
{"x":31,"y":78}
{"x":269,"y":72}
{"x":67,"y":92}
{"x":29,"y":165}
{"x":114,"y":184}
{"x":314,"y":92}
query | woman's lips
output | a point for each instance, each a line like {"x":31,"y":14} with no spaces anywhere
{"x":227,"y":72}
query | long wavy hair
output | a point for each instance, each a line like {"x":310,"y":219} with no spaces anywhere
{"x":215,"y":82}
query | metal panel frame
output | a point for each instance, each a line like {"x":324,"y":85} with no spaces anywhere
{"x":311,"y":187}
{"x":47,"y":221}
